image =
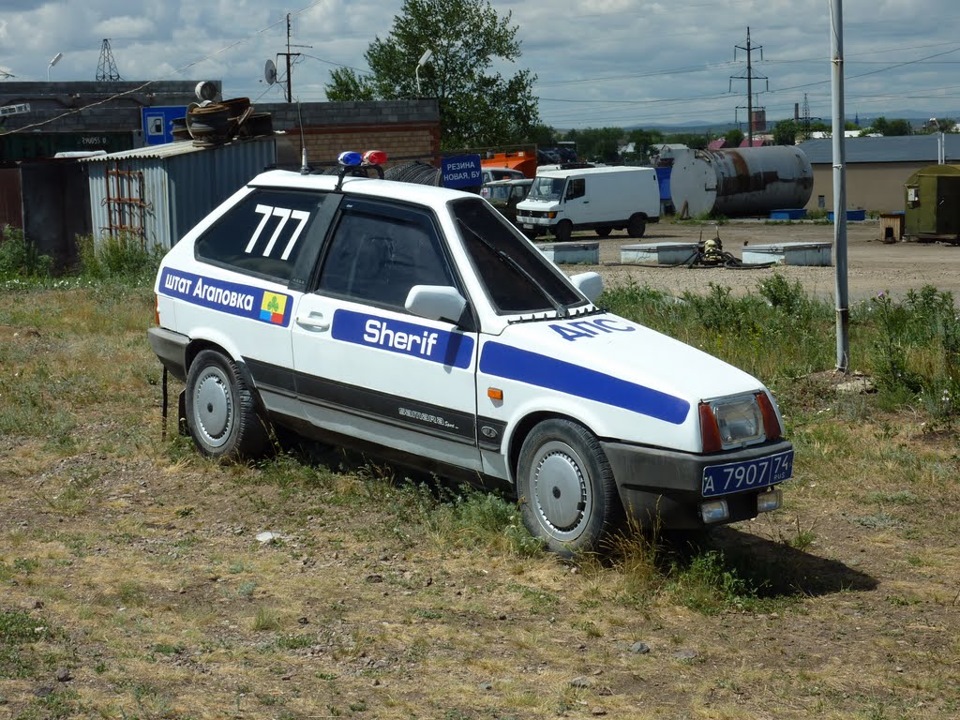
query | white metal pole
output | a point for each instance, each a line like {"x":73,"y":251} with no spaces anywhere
{"x":839,"y":189}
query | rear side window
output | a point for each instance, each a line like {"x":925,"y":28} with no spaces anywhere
{"x":264,"y":233}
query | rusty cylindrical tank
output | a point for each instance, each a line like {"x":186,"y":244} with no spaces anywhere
{"x":741,"y":181}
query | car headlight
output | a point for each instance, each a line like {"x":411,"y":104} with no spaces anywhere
{"x":738,"y":421}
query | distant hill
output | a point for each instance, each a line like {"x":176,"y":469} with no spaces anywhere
{"x":916,"y":118}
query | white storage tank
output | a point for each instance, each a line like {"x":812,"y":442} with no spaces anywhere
{"x":740,"y":181}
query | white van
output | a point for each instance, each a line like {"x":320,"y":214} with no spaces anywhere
{"x":599,"y":198}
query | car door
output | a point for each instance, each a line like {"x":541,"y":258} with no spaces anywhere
{"x":365,"y":366}
{"x":576,"y":202}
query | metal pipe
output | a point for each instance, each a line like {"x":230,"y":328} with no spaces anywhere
{"x":839,"y":188}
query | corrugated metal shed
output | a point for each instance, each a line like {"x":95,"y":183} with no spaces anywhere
{"x":160,"y":192}
{"x":906,"y":148}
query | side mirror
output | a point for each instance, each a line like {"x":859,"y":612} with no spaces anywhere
{"x":589,"y":283}
{"x":435,"y":302}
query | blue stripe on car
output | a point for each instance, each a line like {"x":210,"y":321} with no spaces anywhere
{"x":247,"y":301}
{"x":548,"y":372}
{"x":404,"y":338}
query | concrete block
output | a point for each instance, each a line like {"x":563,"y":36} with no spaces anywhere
{"x":572,"y":253}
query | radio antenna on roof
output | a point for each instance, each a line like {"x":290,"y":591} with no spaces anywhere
{"x":305,"y":168}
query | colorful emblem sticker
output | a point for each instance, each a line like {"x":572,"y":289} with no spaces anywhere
{"x":273,"y":308}
{"x":242,"y":300}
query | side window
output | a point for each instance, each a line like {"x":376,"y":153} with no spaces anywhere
{"x":376,"y":258}
{"x":263,"y":234}
{"x":577,"y":187}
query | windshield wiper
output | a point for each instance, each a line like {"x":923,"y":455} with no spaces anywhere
{"x":559,"y":307}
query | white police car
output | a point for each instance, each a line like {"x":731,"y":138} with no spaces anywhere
{"x":418,"y":323}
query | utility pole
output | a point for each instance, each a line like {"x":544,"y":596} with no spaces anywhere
{"x":839,"y":188}
{"x":749,"y":78}
{"x":288,"y":54}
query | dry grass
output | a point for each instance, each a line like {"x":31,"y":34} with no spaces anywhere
{"x":130,"y":566}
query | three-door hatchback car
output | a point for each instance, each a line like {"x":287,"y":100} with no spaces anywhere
{"x":417,"y":323}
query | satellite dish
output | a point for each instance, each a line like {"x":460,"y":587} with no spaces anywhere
{"x":270,"y":72}
{"x":205,"y":90}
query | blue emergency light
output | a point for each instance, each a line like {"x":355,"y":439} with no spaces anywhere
{"x":356,"y":163}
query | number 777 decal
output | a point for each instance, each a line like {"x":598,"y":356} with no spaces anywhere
{"x":268,"y":211}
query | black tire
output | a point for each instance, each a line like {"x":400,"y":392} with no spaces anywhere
{"x":221,"y":410}
{"x":603,"y":232}
{"x":568,"y":495}
{"x":563,"y":231}
{"x":636,"y":226}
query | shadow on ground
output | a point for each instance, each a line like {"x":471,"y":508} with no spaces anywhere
{"x":776,"y":569}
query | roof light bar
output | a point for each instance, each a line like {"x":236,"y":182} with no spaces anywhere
{"x":355,"y":163}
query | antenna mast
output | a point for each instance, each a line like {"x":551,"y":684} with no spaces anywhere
{"x":749,"y":78}
{"x":107,"y":67}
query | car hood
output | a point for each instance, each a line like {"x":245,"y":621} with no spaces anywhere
{"x":608,"y":346}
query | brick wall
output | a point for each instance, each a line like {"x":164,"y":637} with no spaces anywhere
{"x":405,"y":129}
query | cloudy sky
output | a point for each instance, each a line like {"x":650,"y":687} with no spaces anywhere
{"x":598,"y":63}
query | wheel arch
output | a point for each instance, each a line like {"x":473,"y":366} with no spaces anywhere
{"x":524,"y":427}
{"x":197,"y":346}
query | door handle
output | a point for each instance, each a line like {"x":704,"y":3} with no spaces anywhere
{"x":313,"y":321}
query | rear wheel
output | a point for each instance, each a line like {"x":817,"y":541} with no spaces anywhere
{"x":636,"y":226}
{"x":568,"y":495}
{"x":221,"y":409}
{"x":564,"y":231}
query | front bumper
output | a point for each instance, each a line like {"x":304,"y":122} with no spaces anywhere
{"x":663,"y":488}
{"x":534,"y":221}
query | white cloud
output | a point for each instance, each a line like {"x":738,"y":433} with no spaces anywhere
{"x":598,"y":62}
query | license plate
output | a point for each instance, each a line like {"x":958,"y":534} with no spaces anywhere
{"x":747,"y":475}
{"x":527,"y":226}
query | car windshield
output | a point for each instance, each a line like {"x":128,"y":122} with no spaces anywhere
{"x":545,"y":188}
{"x":498,"y":192}
{"x":518,"y":279}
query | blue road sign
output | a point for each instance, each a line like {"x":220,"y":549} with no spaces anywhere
{"x":461,"y":171}
{"x":158,"y":123}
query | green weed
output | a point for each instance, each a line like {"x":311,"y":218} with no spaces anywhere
{"x":20,"y":258}
{"x":708,"y":585}
{"x":125,"y":257}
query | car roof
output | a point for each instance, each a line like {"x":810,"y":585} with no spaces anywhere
{"x":374,"y":187}
{"x":603,"y":170}
{"x":511,"y":181}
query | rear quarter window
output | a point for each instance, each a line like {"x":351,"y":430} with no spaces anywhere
{"x":264,"y":234}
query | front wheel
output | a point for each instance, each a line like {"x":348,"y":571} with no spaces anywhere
{"x":564,"y":231}
{"x":568,"y":495}
{"x":221,"y":409}
{"x":636,"y":226}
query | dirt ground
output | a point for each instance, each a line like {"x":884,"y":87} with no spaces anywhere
{"x":872,"y":265}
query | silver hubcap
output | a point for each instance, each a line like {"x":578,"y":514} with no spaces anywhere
{"x":560,"y":489}
{"x":213,"y":407}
